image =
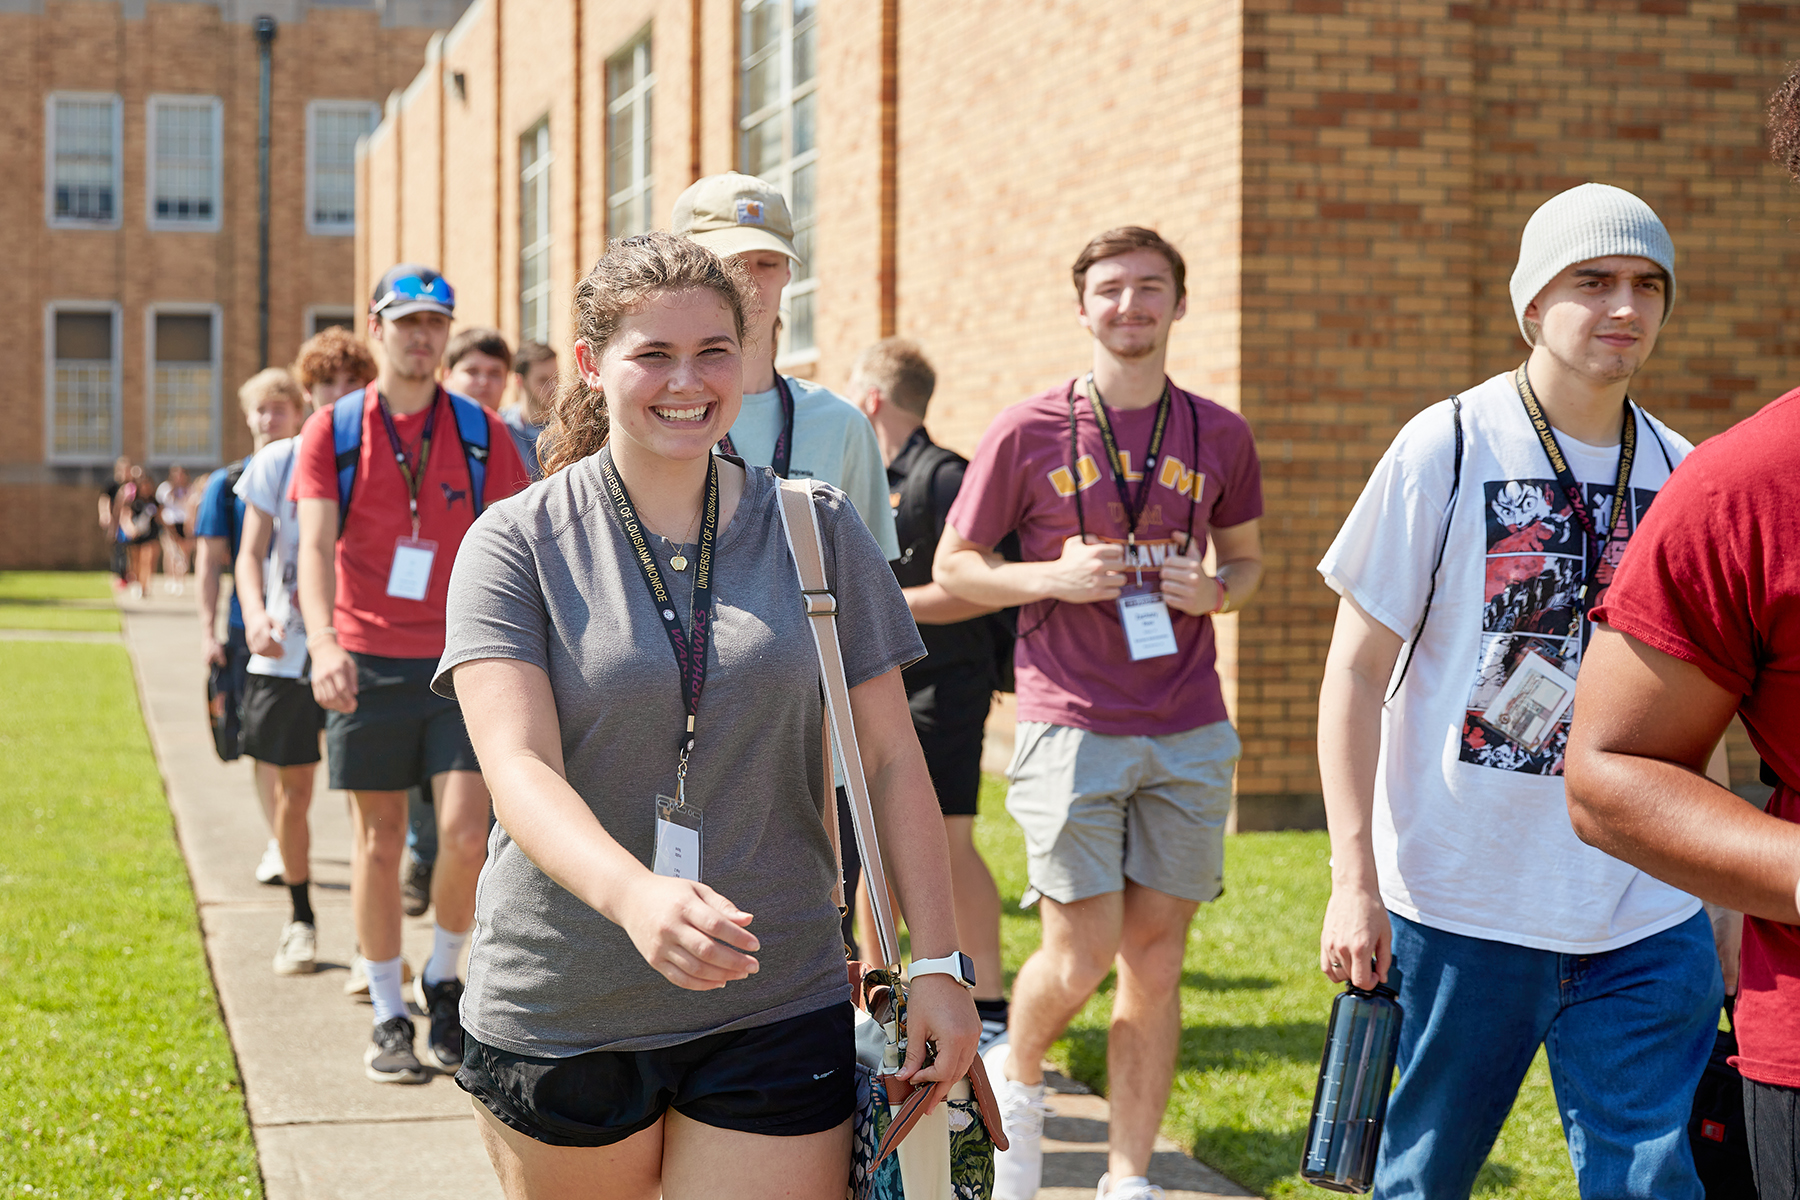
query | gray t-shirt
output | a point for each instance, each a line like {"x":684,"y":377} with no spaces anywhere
{"x":547,"y":577}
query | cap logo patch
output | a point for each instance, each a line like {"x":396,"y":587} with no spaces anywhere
{"x":750,"y":212}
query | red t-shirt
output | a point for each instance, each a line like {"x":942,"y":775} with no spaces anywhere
{"x":367,"y":619}
{"x":1075,"y":669}
{"x":1713,"y":578}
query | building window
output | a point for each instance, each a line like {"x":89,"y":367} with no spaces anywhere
{"x":779,"y":127}
{"x":534,"y":233}
{"x":82,"y":344}
{"x":83,"y":172}
{"x":628,"y":85}
{"x":332,"y":128}
{"x":185,"y":180}
{"x":322,"y":317}
{"x":184,"y":384}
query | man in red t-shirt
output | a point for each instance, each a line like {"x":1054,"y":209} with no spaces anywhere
{"x":1702,"y":624}
{"x":373,"y":581}
{"x":1121,"y":778}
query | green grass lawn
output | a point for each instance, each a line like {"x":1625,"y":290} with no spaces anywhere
{"x":119,"y":1079}
{"x":1253,"y":1020}
{"x":57,"y":600}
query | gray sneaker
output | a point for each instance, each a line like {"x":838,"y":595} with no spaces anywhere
{"x":415,"y":885}
{"x":390,"y":1057}
{"x":269,"y":869}
{"x":299,"y":950}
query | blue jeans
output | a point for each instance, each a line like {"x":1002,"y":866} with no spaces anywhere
{"x":1628,"y":1033}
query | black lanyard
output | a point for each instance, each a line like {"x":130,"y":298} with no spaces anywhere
{"x":690,"y":648}
{"x":784,"y":441}
{"x":1132,"y":504}
{"x":413,"y":476}
{"x":1598,"y":540}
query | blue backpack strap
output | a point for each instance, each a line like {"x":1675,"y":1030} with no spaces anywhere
{"x":472,"y":428}
{"x":346,"y":440}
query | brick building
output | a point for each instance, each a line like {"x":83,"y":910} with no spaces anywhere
{"x":1347,"y":178}
{"x":131,"y":201}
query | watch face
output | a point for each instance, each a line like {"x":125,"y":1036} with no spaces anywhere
{"x":966,"y":967}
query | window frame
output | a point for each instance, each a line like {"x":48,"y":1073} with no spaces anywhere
{"x":638,"y":99}
{"x":116,"y":311}
{"x":51,"y":100}
{"x":176,"y":308}
{"x":313,"y":108}
{"x":310,"y":319}
{"x":181,"y":224}
{"x":540,"y":178}
{"x":787,"y":97}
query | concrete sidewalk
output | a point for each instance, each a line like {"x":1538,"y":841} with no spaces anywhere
{"x":322,"y":1130}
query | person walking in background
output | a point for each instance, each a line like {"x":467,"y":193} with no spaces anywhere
{"x":534,"y":391}
{"x":109,"y":521}
{"x":1487,"y":529}
{"x":332,"y":363}
{"x":1698,"y":626}
{"x":138,"y":520}
{"x":376,"y":544}
{"x":476,"y":364}
{"x":1121,"y":777}
{"x":173,"y":503}
{"x":594,"y":1076}
{"x":282,"y":721}
{"x":273,"y":411}
{"x":950,"y":690}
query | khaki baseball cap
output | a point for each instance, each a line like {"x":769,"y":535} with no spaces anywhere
{"x":735,"y":214}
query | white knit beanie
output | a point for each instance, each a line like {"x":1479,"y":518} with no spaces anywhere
{"x":1594,"y":220}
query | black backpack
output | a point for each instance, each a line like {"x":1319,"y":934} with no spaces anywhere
{"x":1716,"y":1128}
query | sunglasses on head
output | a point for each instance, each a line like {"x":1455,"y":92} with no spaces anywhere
{"x":409,"y":288}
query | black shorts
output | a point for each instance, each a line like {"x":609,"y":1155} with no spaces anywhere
{"x":402,"y":732}
{"x":950,"y":714}
{"x":282,"y":721}
{"x":788,"y":1079}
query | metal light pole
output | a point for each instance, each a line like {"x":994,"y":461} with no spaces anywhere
{"x":265,"y":38}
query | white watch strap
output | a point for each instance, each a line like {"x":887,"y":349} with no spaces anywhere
{"x":950,"y":964}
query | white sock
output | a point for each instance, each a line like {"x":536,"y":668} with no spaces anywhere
{"x":446,"y":954}
{"x":384,"y":989}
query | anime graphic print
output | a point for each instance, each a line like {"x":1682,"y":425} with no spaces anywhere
{"x":1537,"y":559}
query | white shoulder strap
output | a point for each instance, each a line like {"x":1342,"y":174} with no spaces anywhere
{"x":800,"y":522}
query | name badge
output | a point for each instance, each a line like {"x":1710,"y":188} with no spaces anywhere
{"x":1148,"y":631}
{"x":1535,"y":697}
{"x":410,"y":577}
{"x":677,"y":840}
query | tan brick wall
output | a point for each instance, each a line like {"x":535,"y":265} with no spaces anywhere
{"x":180,"y":48}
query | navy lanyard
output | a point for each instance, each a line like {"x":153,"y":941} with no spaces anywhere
{"x":784,"y":441}
{"x":414,"y":476}
{"x":690,"y":647}
{"x":1133,"y":505}
{"x":1598,"y":540}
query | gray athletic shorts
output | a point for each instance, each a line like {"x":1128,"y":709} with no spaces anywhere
{"x":1098,"y":809}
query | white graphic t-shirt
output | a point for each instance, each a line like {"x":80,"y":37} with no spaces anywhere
{"x":264,"y":484}
{"x":1471,"y":827}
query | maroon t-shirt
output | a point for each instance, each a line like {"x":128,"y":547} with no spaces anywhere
{"x":1713,"y":578}
{"x":1074,"y":668}
{"x":367,"y":619}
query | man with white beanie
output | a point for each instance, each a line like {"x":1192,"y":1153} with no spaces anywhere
{"x":1465,"y":573}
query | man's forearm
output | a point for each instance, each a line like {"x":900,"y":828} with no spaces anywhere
{"x":1242,"y":576}
{"x":1349,"y":749}
{"x":930,"y":604}
{"x":989,"y":581}
{"x":317,"y":566}
{"x":208,"y":558}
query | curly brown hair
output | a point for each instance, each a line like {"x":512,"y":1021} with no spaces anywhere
{"x":631,"y":272}
{"x":330,"y":352}
{"x":1784,"y":123}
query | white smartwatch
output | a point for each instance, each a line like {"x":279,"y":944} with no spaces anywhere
{"x":958,"y":966}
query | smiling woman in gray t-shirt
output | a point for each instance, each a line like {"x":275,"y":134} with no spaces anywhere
{"x":636,"y":1027}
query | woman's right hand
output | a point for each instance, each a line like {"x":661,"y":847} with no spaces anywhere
{"x":690,"y":934}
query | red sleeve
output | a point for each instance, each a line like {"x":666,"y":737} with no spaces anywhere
{"x":1241,"y":499}
{"x":1683,"y":585}
{"x":992,"y":500}
{"x":315,"y":471}
{"x":507,"y":475}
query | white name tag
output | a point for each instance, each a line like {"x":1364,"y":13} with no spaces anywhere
{"x":677,"y":840}
{"x":1535,"y":697}
{"x":1148,"y":631}
{"x":410,"y":577}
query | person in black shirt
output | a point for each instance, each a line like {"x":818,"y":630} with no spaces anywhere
{"x":950,"y":689}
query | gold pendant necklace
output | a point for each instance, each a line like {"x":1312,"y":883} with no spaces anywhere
{"x":678,"y":561}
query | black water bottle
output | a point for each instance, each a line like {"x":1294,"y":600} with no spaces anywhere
{"x":1354,"y":1076}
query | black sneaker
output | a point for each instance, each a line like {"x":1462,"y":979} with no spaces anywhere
{"x":442,"y":1002}
{"x":415,"y":885}
{"x":390,"y":1057}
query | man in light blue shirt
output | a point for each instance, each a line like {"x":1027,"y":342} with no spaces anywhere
{"x":803,"y":430}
